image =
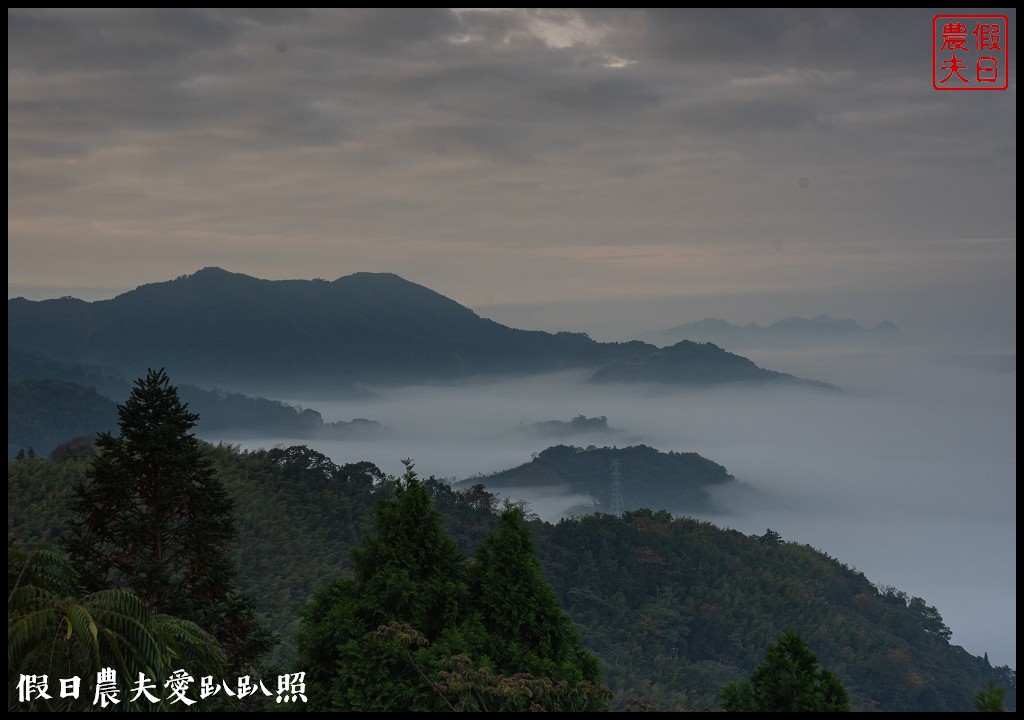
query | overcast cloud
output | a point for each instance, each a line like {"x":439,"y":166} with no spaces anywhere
{"x":512,"y":157}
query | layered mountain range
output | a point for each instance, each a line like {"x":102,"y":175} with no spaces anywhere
{"x":789,"y":332}
{"x":227,"y":330}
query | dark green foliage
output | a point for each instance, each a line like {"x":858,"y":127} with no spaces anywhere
{"x":412,"y":629}
{"x":408,"y":572}
{"x":468,"y":515}
{"x":299,"y":516}
{"x":153,"y":517}
{"x":46,"y":413}
{"x":990,"y":699}
{"x":410,"y":567}
{"x":789,"y":680}
{"x":929,"y":618}
{"x":39,"y":496}
{"x":54,"y":630}
{"x":522,"y":609}
{"x":527,"y":631}
{"x":675,"y":608}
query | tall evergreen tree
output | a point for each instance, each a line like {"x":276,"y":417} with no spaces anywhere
{"x":413,"y":629}
{"x":788,"y":680}
{"x":989,"y":698}
{"x":153,"y":517}
{"x":408,"y":576}
{"x":526,"y":628}
{"x":410,"y":567}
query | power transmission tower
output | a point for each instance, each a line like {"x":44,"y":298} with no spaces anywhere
{"x":617,"y":506}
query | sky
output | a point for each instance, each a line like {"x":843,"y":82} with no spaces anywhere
{"x":605,"y":171}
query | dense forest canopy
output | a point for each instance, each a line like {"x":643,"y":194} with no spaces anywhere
{"x":674,"y":608}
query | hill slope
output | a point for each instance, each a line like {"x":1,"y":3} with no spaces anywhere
{"x":216,"y":328}
{"x":674,"y":607}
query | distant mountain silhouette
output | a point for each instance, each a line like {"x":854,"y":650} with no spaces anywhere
{"x":220,"y":329}
{"x":43,"y":413}
{"x":50,"y":402}
{"x":789,"y":332}
{"x":579,"y":426}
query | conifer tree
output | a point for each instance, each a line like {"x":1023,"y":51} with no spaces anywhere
{"x":152,"y":517}
{"x":409,"y":576}
{"x":989,"y":698}
{"x":527,"y":629}
{"x":788,"y":680}
{"x":413,"y":629}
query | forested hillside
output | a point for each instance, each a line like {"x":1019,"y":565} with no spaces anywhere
{"x":49,"y":401}
{"x":675,"y":608}
{"x":655,"y":479}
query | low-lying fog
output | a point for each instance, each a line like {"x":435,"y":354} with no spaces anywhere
{"x":908,"y":476}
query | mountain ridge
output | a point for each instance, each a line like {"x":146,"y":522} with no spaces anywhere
{"x":234,"y":331}
{"x":789,"y":331}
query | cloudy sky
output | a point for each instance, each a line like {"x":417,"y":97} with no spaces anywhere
{"x":603,"y":171}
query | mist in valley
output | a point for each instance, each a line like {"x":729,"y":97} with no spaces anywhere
{"x":908,"y":475}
